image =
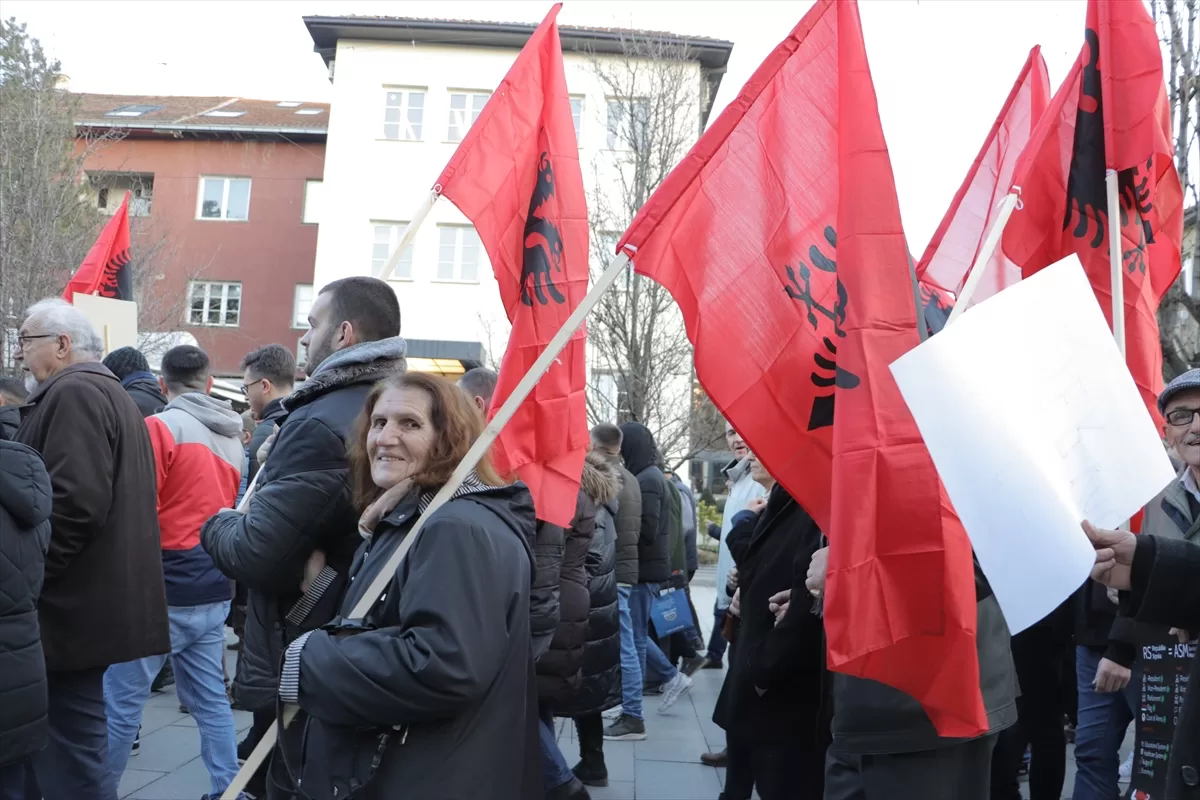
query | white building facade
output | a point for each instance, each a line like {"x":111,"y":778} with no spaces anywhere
{"x":405,"y":91}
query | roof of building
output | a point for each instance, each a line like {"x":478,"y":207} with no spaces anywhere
{"x":711,"y":54}
{"x":219,"y":117}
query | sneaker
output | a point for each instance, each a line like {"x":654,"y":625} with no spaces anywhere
{"x":137,"y":743}
{"x":626,"y":729}
{"x":652,"y":689}
{"x":673,"y":690}
{"x":713,"y":663}
{"x":1126,"y":770}
{"x":720,"y":759}
{"x":183,"y":709}
{"x":692,"y":665}
{"x":591,"y":771}
{"x":613,"y":713}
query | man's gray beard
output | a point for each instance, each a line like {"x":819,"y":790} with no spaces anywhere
{"x":31,"y":383}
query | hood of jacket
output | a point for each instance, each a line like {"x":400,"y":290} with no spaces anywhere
{"x":10,"y":420}
{"x":637,"y":447}
{"x":217,"y":415}
{"x":365,"y":362}
{"x":601,"y":480}
{"x":24,"y":485}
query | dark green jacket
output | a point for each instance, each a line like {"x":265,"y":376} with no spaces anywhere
{"x":677,"y":547}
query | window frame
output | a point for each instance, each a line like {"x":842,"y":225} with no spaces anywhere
{"x":224,"y":309}
{"x":459,"y":246}
{"x":470,"y":95}
{"x":615,"y":139}
{"x":405,"y":107}
{"x":299,"y":323}
{"x":396,"y":233}
{"x":308,"y":185}
{"x":582,"y":110}
{"x":227,"y":182}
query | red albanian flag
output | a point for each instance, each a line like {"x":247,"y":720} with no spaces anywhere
{"x":975,"y":207}
{"x":1111,"y":112}
{"x":516,"y":176}
{"x":105,"y":270}
{"x":779,"y":236}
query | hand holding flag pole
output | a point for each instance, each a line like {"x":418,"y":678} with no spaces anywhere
{"x":524,"y":387}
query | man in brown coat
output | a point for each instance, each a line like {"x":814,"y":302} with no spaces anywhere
{"x":103,"y":601}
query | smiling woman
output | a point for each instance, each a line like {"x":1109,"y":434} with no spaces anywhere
{"x":440,"y":670}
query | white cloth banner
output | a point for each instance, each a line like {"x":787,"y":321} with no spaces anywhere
{"x":1034,"y":424}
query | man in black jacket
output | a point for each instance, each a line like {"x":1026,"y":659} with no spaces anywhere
{"x":24,"y":536}
{"x":303,"y":499}
{"x":268,"y":375}
{"x":133,"y":371}
{"x":654,"y":569}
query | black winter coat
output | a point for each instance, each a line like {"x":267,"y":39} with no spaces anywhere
{"x":600,"y":684}
{"x":144,"y":390}
{"x":558,"y":667}
{"x":1166,"y":592}
{"x":25,"y":498}
{"x":547,"y":543}
{"x":103,"y":601}
{"x":641,"y":457}
{"x":777,"y":689}
{"x":443,"y":669}
{"x":303,"y":502}
{"x":273,"y":414}
{"x":628,"y":523}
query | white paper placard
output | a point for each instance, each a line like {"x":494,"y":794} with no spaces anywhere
{"x":115,"y":321}
{"x":1034,"y":424}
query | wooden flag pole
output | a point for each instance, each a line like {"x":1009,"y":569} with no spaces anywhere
{"x":410,"y":233}
{"x":464,"y":468}
{"x":990,"y":243}
{"x":1116,"y":260}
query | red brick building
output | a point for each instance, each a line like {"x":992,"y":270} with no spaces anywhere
{"x":224,"y":211}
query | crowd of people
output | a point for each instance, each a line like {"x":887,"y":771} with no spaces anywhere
{"x":142,"y":516}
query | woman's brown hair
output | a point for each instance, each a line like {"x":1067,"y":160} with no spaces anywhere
{"x":457,"y":424}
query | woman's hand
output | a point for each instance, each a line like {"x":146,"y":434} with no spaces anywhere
{"x":312,"y":568}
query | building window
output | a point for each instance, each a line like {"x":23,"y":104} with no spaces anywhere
{"x":625,"y":133}
{"x":301,"y":305}
{"x":464,"y":110}
{"x":223,"y":198}
{"x":110,"y":188}
{"x":402,"y":114}
{"x":217,"y":304}
{"x":577,"y":116}
{"x":312,"y":202}
{"x":386,"y":237}
{"x":301,"y":354}
{"x":458,"y":253}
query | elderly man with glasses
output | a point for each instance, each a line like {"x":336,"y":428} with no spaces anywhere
{"x":103,"y":601}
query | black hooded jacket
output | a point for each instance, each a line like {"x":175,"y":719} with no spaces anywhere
{"x":437,"y":687}
{"x":641,"y":458}
{"x":25,"y":499}
{"x":143,"y":388}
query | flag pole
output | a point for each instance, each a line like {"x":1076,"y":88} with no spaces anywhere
{"x":410,"y":233}
{"x":1115,"y":260}
{"x":990,"y":243}
{"x":464,"y":468}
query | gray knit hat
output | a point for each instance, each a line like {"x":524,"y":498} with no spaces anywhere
{"x":125,"y":361}
{"x":1182,"y":383}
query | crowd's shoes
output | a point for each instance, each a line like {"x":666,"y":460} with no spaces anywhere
{"x":613,"y":713}
{"x":571,"y":790}
{"x":713,"y":663}
{"x":652,"y":689}
{"x":720,"y":759}
{"x":626,"y":729}
{"x":591,"y":771}
{"x":137,"y":743}
{"x":672,"y":690}
{"x":693,"y":665}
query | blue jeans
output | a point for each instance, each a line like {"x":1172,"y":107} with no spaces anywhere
{"x":716,"y":641}
{"x":631,"y":666}
{"x":654,"y":666}
{"x":555,"y":771}
{"x":1103,"y":720}
{"x":197,"y":650}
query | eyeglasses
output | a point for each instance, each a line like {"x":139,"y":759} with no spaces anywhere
{"x":246,"y":386}
{"x":1181,"y":417}
{"x":23,"y":338}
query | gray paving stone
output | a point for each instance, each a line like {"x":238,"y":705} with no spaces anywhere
{"x":664,"y":780}
{"x":135,"y":779}
{"x":167,"y":749}
{"x":159,"y":716}
{"x":189,"y":782}
{"x":616,"y":790}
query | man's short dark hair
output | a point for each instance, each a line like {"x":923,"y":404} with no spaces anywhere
{"x":273,"y":362}
{"x":608,"y":437}
{"x":14,"y":389}
{"x":185,"y":368}
{"x":479,"y":382}
{"x":369,"y":304}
